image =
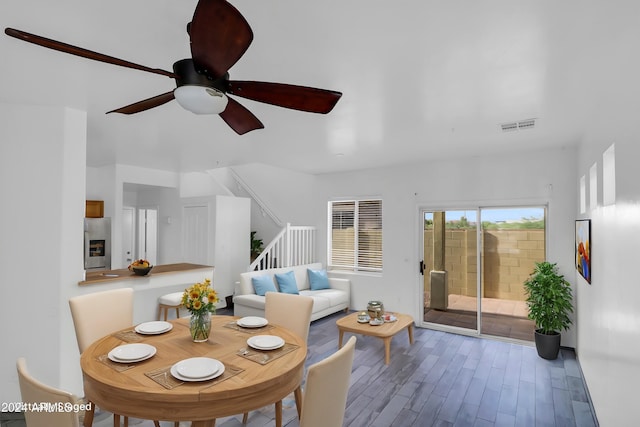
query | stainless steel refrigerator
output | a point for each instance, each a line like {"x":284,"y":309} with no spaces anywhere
{"x":97,"y":244}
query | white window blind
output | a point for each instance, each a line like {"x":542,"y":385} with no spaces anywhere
{"x":356,"y":235}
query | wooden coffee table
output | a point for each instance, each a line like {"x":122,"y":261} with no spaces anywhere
{"x":385,"y":331}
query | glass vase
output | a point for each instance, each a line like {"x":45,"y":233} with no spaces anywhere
{"x":200,"y":326}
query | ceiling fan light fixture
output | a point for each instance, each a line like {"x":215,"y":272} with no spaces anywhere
{"x":201,"y":99}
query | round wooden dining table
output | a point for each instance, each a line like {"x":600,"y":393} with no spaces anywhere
{"x":252,"y":379}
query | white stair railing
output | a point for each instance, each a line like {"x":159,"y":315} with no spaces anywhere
{"x":294,"y":245}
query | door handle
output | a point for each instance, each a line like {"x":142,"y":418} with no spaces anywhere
{"x":422,"y":267}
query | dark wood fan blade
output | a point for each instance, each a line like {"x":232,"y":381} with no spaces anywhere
{"x":78,"y":51}
{"x":219,"y":36}
{"x":288,"y":96}
{"x":147,"y":104}
{"x":239,"y":118}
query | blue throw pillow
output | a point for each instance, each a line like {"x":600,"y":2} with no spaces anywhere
{"x":318,"y":279}
{"x":263,"y":284}
{"x":287,"y":282}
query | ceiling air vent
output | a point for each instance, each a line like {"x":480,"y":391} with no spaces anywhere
{"x":522,"y":124}
{"x":508,"y":127}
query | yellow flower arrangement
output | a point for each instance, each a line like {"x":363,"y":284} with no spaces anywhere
{"x":200,"y":298}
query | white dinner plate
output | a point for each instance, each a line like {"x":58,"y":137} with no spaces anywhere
{"x":252,"y":322}
{"x":198,"y":367}
{"x":265,"y":342}
{"x":186,"y":369}
{"x":131,"y":353}
{"x":153,"y":328}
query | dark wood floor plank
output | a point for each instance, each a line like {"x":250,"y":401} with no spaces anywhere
{"x":582,"y":412}
{"x":466,"y":415}
{"x":508,"y":403}
{"x":489,"y":405}
{"x":475,"y":390}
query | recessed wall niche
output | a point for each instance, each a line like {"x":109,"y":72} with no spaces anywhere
{"x":583,"y":194}
{"x":609,"y":176}
{"x":593,"y":186}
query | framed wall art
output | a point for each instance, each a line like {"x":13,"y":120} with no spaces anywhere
{"x":583,"y":248}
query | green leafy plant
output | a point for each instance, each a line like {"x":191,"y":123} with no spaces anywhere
{"x":256,"y":244}
{"x":549,"y":298}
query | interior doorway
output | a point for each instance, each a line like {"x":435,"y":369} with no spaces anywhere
{"x":148,"y":234}
{"x":474,"y":264}
{"x":128,"y":235}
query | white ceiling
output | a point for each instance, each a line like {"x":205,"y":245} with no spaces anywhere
{"x":421,"y":79}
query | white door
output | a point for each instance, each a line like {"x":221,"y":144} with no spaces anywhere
{"x":128,"y":235}
{"x":195,"y":234}
{"x":152,"y":236}
{"x":148,"y":234}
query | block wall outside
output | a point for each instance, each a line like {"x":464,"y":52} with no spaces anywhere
{"x":509,"y":258}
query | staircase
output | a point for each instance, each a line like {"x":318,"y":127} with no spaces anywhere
{"x":294,"y":245}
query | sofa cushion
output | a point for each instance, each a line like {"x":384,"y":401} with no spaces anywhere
{"x":318,"y":279}
{"x":250,"y":300}
{"x":335,"y":297}
{"x":287,"y":282}
{"x":320,"y":303}
{"x":263,"y":284}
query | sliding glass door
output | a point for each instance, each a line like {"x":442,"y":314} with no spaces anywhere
{"x":474,"y":264}
{"x":450,"y":268}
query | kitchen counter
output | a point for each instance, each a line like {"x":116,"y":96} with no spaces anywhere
{"x":162,"y":279}
{"x":107,"y":276}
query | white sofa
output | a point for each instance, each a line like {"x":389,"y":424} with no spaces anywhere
{"x":325,"y":301}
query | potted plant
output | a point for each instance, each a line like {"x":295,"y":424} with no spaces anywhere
{"x":549,"y":299}
{"x":256,"y":246}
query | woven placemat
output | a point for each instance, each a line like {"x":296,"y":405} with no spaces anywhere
{"x":163,"y":377}
{"x":266,"y":356}
{"x":234,"y":325}
{"x":128,"y":336}
{"x":120,"y":367}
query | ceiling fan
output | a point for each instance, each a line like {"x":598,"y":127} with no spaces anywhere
{"x":219,"y":37}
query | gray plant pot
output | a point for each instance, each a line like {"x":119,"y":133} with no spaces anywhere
{"x":548,"y":346}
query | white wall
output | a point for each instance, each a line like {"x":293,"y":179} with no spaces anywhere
{"x":231,"y":230}
{"x":608,"y":308}
{"x":42,"y":170}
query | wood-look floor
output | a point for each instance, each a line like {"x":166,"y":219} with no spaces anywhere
{"x":443,"y":380}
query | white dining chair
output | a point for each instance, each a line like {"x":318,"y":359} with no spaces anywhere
{"x":294,"y":313}
{"x":325,"y":392}
{"x":33,"y":391}
{"x":98,"y":314}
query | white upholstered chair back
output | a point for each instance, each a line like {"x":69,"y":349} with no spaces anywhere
{"x":35,"y":392}
{"x":289,"y":310}
{"x":98,"y":314}
{"x":325,"y":392}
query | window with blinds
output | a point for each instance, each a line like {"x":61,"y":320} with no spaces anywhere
{"x":356,"y":235}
